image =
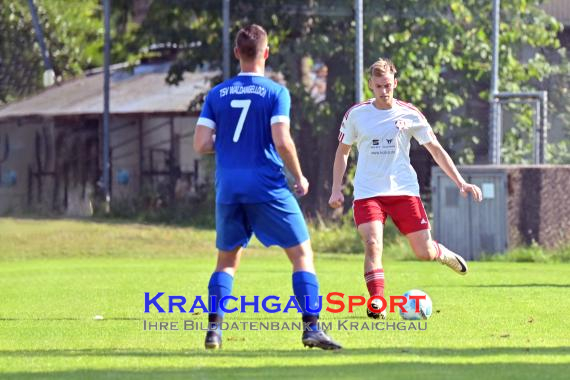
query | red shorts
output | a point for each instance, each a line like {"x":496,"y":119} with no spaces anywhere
{"x":407,"y":212}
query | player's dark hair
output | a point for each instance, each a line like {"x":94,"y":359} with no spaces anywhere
{"x":251,"y":41}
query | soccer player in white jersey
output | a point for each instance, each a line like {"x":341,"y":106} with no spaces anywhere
{"x":385,"y":183}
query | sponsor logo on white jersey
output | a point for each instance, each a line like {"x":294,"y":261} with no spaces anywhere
{"x":402,"y":124}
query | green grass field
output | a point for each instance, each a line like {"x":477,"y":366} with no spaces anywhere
{"x":502,"y":321}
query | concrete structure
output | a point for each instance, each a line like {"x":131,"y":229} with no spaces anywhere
{"x":521,"y":204}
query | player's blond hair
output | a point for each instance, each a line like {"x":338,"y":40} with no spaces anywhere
{"x":381,"y":67}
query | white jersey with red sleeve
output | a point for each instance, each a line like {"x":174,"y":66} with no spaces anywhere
{"x":383,"y":141}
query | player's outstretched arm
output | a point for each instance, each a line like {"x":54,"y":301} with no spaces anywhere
{"x":340,"y":161}
{"x":446,"y":164}
{"x":280,"y":132}
{"x":204,"y":139}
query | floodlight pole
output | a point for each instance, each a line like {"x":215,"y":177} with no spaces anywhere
{"x":358,"y":59}
{"x":494,"y":131}
{"x":106,"y":75}
{"x":226,"y":38}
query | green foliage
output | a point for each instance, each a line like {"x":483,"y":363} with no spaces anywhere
{"x":444,"y":62}
{"x":559,"y":110}
{"x":441,"y":48}
{"x":20,"y":59}
{"x":336,"y":240}
{"x":517,"y":145}
{"x":155,"y":207}
{"x":192,"y":28}
{"x":532,"y":254}
{"x":559,"y":153}
{"x":343,"y":237}
{"x":148,"y":210}
{"x":73,"y":35}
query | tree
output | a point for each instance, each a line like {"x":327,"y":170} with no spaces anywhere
{"x":73,"y":31}
{"x":19,"y":61}
{"x":441,"y":48}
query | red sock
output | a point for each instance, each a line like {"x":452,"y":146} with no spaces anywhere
{"x":375,"y":282}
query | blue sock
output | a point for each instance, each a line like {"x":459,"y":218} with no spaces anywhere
{"x":220,"y":286}
{"x":306,"y":284}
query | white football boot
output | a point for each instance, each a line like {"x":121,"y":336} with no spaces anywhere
{"x":452,"y":260}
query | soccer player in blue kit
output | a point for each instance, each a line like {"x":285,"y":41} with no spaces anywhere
{"x":245,"y":122}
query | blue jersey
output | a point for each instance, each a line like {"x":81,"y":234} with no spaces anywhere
{"x":242,"y":110}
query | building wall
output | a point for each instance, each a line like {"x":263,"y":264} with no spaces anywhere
{"x":14,"y":169}
{"x":156,"y":142}
{"x":559,"y":9}
{"x":537,"y":210}
{"x":124,"y":144}
{"x":70,"y":152}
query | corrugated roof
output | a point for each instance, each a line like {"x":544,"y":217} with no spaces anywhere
{"x":137,"y":93}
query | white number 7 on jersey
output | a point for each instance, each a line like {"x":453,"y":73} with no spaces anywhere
{"x":244,"y":105}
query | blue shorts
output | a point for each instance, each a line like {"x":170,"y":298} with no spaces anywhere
{"x":276,"y":222}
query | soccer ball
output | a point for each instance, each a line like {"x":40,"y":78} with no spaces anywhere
{"x":425,"y":306}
